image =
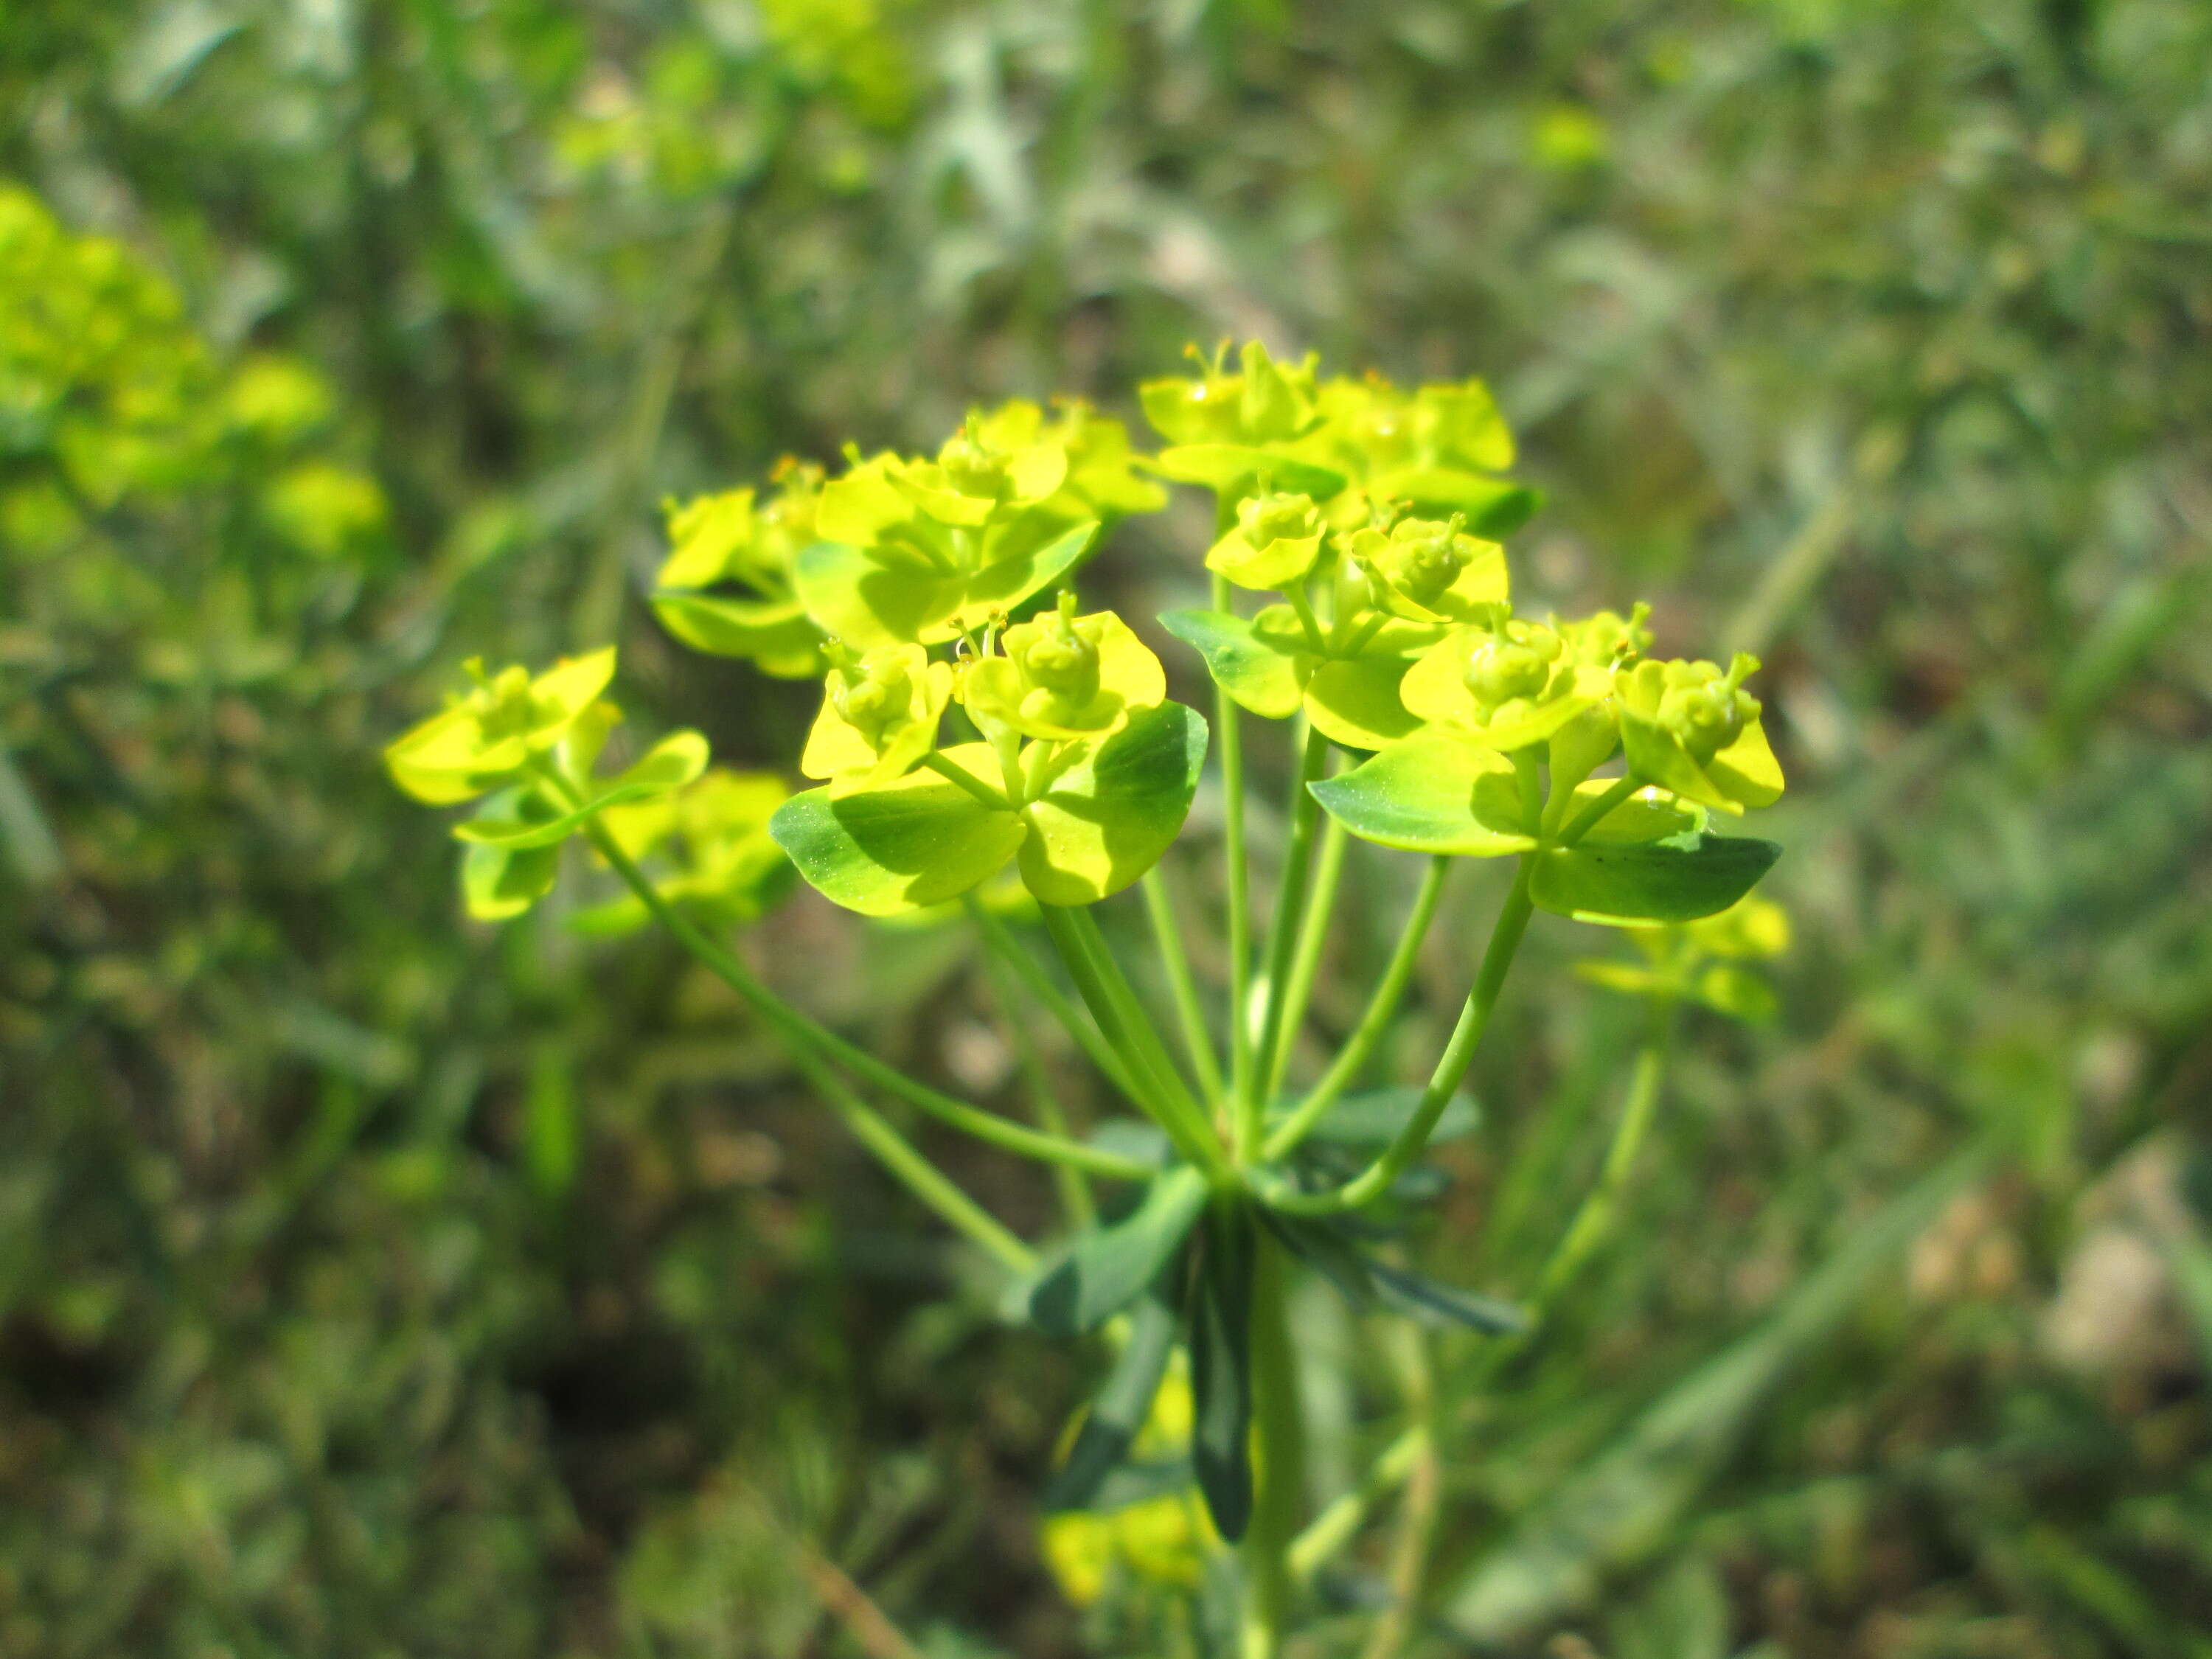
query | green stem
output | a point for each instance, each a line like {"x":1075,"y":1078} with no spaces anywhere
{"x":1136,"y":1021}
{"x":1594,"y":1217}
{"x":1420,"y":1513}
{"x":804,"y":1033}
{"x":1038,"y":984}
{"x":1313,"y":933}
{"x":1076,"y":1203}
{"x":1282,"y":934}
{"x":1374,"y":1022}
{"x":1450,"y":1070}
{"x":1278,"y":1456}
{"x":1159,"y":1096}
{"x":1229,"y":738}
{"x":1337,"y":1525}
{"x":1593,"y":1220}
{"x":922,"y":1178}
{"x":1174,"y":966}
{"x":1584,"y":821}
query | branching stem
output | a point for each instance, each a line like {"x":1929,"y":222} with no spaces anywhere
{"x":1283,"y":936}
{"x":1381,"y":1009}
{"x":1175,"y":967}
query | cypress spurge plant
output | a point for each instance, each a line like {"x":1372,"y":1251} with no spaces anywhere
{"x":982,"y":731}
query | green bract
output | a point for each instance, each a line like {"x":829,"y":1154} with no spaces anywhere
{"x":880,"y":715}
{"x":489,"y":735}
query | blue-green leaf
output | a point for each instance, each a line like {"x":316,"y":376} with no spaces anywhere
{"x":1677,"y":879}
{"x":1119,"y":1409}
{"x":1221,"y":1370}
{"x":1107,"y":1268}
{"x":1374,"y":1117}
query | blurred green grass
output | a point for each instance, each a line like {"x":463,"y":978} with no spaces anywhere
{"x":377,"y":1285}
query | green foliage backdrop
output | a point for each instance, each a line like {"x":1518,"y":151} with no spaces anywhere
{"x":370,"y":1285}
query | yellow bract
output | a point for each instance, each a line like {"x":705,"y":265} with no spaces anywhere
{"x":1430,"y":570}
{"x":1692,"y":728}
{"x":1277,"y":539}
{"x":1508,"y":687}
{"x":1264,"y":402}
{"x":1065,"y":676}
{"x":879,"y":719}
{"x":1751,"y":929}
{"x":490,"y":734}
{"x":1163,"y":1541}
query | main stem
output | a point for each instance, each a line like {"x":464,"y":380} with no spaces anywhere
{"x":1278,"y":1456}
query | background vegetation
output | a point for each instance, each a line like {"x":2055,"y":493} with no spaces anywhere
{"x":375,"y":1284}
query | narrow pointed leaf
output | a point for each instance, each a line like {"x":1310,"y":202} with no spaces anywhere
{"x":1327,"y":1252}
{"x":1119,"y":1409}
{"x":1107,"y":1268}
{"x":1221,"y":1370}
{"x":1374,"y":1117}
{"x":1434,"y":1302}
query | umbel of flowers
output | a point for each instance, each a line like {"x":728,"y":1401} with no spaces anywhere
{"x":982,"y":731}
